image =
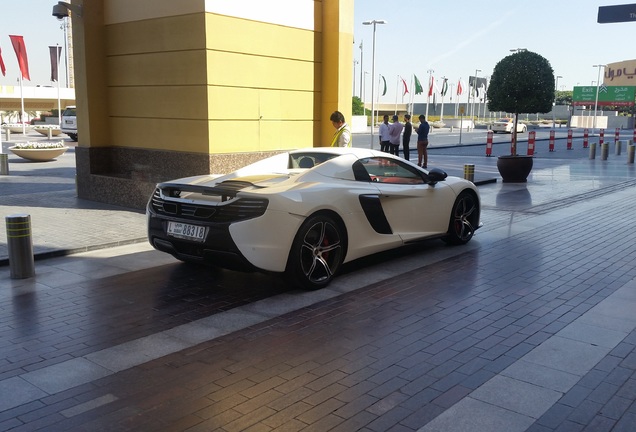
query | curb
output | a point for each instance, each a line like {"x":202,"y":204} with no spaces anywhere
{"x":72,"y":251}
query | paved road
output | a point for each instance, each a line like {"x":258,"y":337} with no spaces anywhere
{"x":528,"y":327}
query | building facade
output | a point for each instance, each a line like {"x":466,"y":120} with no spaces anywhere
{"x":170,"y":89}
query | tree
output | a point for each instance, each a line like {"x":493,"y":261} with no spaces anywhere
{"x":522,"y":82}
{"x":564,"y":97}
{"x":357,"y":107}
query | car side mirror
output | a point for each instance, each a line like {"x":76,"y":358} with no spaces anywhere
{"x":436,"y":175}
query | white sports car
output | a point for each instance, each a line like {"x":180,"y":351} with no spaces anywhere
{"x":305,"y":212}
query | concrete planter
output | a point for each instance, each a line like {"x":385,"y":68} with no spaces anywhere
{"x":45,"y":130}
{"x":514,"y":169}
{"x":16,"y":128}
{"x":39,"y":155}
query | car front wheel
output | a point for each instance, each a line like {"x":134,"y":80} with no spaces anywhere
{"x":463,"y":220}
{"x":317,"y":253}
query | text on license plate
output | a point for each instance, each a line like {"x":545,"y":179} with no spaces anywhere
{"x":187,"y":231}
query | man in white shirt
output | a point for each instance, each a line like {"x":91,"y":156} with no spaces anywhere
{"x":384,"y":135}
{"x":395,"y":131}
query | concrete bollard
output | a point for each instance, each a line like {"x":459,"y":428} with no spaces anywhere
{"x":617,"y":148}
{"x":469,"y":172}
{"x":630,"y":153}
{"x":4,"y":164}
{"x":20,"y":245}
{"x":593,"y":150}
{"x":8,"y":133}
{"x":604,"y":151}
{"x":50,"y":134}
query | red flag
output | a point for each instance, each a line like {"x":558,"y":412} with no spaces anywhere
{"x":460,"y":89}
{"x":2,"y":68}
{"x":55,"y":53}
{"x":20,"y":52}
{"x":406,"y":89}
{"x":430,"y":86}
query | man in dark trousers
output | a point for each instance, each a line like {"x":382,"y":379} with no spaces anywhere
{"x":406,"y":136}
{"x":422,"y":142}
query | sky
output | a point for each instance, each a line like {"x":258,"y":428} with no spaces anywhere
{"x":31,"y":19}
{"x":457,"y":37}
{"x":454,"y":38}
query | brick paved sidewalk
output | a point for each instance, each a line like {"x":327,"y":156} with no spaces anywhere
{"x":529,"y":327}
{"x":470,"y":342}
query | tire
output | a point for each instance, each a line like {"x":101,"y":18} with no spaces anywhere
{"x":463,"y":220}
{"x":316,"y":253}
{"x":524,"y":129}
{"x":73,"y":137}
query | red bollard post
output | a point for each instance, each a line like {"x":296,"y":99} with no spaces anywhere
{"x":617,"y":135}
{"x":601,"y":136}
{"x":569,"y":139}
{"x":586,"y":133}
{"x":551,"y":140}
{"x":489,"y":143}
{"x":531,"y":137}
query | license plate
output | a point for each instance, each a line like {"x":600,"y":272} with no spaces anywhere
{"x":186,"y":231}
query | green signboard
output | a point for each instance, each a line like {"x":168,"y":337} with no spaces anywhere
{"x":607,"y":95}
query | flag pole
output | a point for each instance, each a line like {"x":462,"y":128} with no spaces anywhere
{"x":397,"y":90}
{"x":59,"y":101}
{"x":443,"y":92}
{"x":410,"y":107}
{"x":22,"y":105}
{"x":430,"y":89}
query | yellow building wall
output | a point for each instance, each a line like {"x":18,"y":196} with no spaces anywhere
{"x":212,"y":83}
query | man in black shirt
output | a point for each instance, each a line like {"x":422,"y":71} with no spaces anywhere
{"x":406,"y":137}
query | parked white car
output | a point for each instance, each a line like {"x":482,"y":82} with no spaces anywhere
{"x":69,"y":123}
{"x":506,"y":125}
{"x":305,"y":212}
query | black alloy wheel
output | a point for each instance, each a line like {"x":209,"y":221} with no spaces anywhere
{"x":463,"y":220}
{"x":317,"y":253}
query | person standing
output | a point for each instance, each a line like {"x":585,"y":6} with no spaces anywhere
{"x":342,"y":137}
{"x":406,"y":136}
{"x":384,"y":134}
{"x":395,"y":131}
{"x":422,"y":142}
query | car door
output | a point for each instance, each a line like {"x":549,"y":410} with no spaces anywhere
{"x":413,"y":208}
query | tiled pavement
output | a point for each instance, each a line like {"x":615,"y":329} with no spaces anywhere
{"x":529,"y":327}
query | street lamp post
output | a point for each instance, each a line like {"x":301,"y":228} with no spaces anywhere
{"x":598,"y":83}
{"x":556,"y":86}
{"x":361,"y":76}
{"x":373,"y":22}
{"x":355,"y":62}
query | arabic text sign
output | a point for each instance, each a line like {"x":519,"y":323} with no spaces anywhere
{"x":620,"y":74}
{"x":607,"y":95}
{"x":615,"y":14}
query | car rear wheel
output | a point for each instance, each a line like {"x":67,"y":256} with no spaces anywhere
{"x":317,"y":253}
{"x":463,"y":220}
